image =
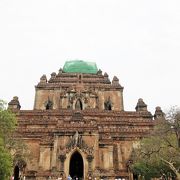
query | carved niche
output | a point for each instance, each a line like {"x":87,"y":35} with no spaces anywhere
{"x":108,"y":104}
{"x":48,"y":104}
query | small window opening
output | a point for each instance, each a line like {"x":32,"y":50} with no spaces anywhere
{"x":108,"y":105}
{"x":78,"y":105}
{"x":49,"y":105}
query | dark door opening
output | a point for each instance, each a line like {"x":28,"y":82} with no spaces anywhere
{"x":135,"y":177}
{"x":78,"y":105}
{"x":16,"y":173}
{"x":76,"y":169}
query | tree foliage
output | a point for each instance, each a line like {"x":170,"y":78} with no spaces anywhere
{"x":7,"y":127}
{"x":158,"y":155}
{"x":5,"y":163}
{"x":13,"y":151}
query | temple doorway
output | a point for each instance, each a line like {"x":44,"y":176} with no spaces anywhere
{"x":16,"y":173}
{"x":76,"y":169}
{"x":135,"y":177}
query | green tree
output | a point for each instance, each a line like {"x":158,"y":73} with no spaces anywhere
{"x":7,"y":127}
{"x":158,"y":155}
{"x":5,"y":163}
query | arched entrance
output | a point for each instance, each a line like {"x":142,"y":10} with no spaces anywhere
{"x":16,"y":173}
{"x":76,"y":167}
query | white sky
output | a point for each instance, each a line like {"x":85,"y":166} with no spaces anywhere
{"x":136,"y":40}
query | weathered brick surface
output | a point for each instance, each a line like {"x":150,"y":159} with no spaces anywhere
{"x":71,"y":115}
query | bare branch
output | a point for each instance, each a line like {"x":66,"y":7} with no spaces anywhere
{"x":172,"y":167}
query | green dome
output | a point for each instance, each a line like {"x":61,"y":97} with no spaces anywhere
{"x":79,"y":66}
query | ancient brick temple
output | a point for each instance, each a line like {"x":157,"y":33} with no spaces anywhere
{"x":79,"y":127}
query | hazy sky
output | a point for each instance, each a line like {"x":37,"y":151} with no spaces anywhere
{"x":136,"y":40}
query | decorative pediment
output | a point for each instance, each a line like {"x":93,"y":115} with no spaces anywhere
{"x":77,"y":142}
{"x":79,"y":95}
